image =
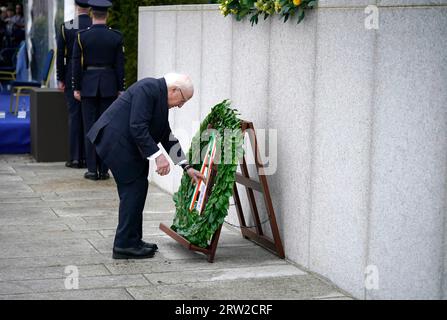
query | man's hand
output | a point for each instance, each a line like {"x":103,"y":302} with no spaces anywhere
{"x":195,"y":175}
{"x":61,"y":85}
{"x":163,"y":167}
{"x":77,"y":95}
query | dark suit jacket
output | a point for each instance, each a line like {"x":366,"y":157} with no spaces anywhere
{"x":129,"y":131}
{"x":65,"y":42}
{"x":101,"y":47}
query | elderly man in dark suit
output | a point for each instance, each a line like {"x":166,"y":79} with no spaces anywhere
{"x":126,"y":137}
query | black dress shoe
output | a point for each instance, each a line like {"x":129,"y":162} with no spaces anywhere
{"x":73,"y":164}
{"x":149,"y":245}
{"x":133,"y":253}
{"x":104,"y":176}
{"x":91,"y":176}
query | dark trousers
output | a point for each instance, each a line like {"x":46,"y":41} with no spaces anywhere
{"x":132,"y":199}
{"x":92,"y":109}
{"x":76,"y":127}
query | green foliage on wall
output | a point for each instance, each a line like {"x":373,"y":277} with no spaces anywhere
{"x":255,"y":8}
{"x":124,"y":17}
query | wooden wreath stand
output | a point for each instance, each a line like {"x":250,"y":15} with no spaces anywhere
{"x":257,"y":235}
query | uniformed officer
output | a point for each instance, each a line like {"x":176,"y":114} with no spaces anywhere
{"x":65,"y":41}
{"x":98,"y":76}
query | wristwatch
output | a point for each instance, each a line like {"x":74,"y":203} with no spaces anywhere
{"x":186,"y":166}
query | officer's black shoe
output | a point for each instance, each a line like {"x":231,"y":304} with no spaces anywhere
{"x":149,"y":245}
{"x":133,"y":253}
{"x":91,"y":176}
{"x":72,"y":164}
{"x":104,"y":176}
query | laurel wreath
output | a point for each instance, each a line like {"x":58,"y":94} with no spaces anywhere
{"x":197,"y":228}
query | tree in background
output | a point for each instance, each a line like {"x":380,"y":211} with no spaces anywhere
{"x":124,"y":17}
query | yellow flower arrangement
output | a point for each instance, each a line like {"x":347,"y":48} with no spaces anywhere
{"x":254,"y":8}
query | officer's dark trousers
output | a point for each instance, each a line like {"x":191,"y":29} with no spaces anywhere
{"x":76,"y":127}
{"x":92,"y":109}
{"x":132,"y":199}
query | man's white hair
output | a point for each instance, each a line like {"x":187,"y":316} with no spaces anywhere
{"x":182,"y":81}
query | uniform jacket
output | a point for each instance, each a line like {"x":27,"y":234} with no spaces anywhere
{"x":100,"y":48}
{"x":65,"y":42}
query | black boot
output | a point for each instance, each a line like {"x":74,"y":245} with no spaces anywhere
{"x":91,"y":176}
{"x":133,"y":253}
{"x":72,"y":164}
{"x":104,"y":176}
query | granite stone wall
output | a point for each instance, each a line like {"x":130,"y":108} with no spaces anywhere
{"x":361,"y":118}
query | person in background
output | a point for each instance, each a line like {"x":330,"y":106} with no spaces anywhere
{"x":65,"y":42}
{"x":18,"y":19}
{"x":18,"y":28}
{"x":98,"y":77}
{"x":9,"y":26}
{"x":3,"y":16}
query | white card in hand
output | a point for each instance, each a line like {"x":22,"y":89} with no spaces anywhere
{"x":21,"y":115}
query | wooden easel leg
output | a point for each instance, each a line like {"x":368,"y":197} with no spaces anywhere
{"x":238,"y":205}
{"x":213,"y":246}
{"x":262,"y":187}
{"x":252,"y":200}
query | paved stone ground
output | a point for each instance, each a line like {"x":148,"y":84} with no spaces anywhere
{"x":51,"y":218}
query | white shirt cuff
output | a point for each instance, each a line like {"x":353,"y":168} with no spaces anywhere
{"x":155,"y":155}
{"x":182,"y":162}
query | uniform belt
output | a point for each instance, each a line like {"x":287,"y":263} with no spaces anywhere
{"x":99,"y":68}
